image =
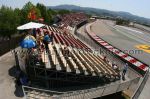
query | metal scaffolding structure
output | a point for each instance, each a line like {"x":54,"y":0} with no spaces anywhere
{"x":51,"y":78}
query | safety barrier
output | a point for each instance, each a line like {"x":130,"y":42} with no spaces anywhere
{"x":141,"y":86}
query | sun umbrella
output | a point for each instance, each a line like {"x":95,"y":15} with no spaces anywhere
{"x":30,"y":37}
{"x":30,"y":25}
{"x":28,"y":43}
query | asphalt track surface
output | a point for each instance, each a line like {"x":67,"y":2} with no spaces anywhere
{"x":125,"y":38}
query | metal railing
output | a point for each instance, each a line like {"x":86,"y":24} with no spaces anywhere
{"x":87,"y":93}
{"x":27,"y":90}
{"x":99,"y":91}
{"x":141,"y":86}
{"x":88,"y":40}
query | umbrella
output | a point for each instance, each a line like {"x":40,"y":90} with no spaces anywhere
{"x":30,"y":37}
{"x":30,"y":25}
{"x":28,"y":43}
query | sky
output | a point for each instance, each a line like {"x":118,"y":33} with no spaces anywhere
{"x":136,"y":7}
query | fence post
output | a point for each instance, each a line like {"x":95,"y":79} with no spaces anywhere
{"x":24,"y":94}
{"x":16,"y":58}
{"x":103,"y":91}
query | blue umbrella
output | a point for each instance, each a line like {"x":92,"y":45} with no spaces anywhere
{"x":28,"y":43}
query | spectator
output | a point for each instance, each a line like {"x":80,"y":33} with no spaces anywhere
{"x":40,"y":37}
{"x":34,"y":52}
{"x":113,"y":64}
{"x":46,"y":41}
{"x":34,"y":32}
{"x":125,"y":68}
{"x":46,"y":37}
{"x":115,"y":67}
{"x":105,"y":58}
{"x":51,"y":37}
{"x":66,"y":51}
{"x":24,"y":80}
{"x":18,"y":73}
{"x":39,"y":58}
{"x":41,"y":46}
{"x":38,"y":30}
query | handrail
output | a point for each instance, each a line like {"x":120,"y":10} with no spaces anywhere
{"x":141,"y":86}
{"x":93,"y":89}
{"x":42,"y":89}
{"x":78,"y":92}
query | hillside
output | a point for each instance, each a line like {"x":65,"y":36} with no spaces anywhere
{"x":103,"y":12}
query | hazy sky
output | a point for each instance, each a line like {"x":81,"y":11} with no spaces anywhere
{"x":137,"y":7}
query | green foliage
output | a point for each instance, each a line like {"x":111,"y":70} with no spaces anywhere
{"x":26,"y":9}
{"x":11,"y":18}
{"x":63,"y":12}
{"x":45,"y":13}
{"x":122,"y":22}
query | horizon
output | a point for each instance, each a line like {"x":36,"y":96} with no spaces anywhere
{"x":139,"y":8}
{"x":100,"y":8}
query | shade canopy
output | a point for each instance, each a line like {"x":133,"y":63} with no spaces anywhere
{"x":30,"y":25}
{"x":28,"y":43}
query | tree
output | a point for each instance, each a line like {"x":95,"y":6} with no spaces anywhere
{"x":11,"y":18}
{"x":42,"y":9}
{"x":63,"y":12}
{"x":45,"y":13}
{"x":120,"y":21}
{"x":27,"y":8}
{"x":9,"y":21}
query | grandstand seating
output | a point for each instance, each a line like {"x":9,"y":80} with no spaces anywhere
{"x":53,"y":29}
{"x":68,"y":40}
{"x":80,"y":61}
{"x":80,"y":66}
{"x":55,"y":61}
{"x":72,"y":19}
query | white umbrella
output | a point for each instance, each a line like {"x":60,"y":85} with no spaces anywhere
{"x":30,"y":25}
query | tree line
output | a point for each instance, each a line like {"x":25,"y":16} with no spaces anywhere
{"x":120,"y":21}
{"x":11,"y":18}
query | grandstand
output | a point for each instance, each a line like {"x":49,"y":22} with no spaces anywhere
{"x":71,"y":68}
{"x":79,"y":61}
{"x":69,"y":21}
